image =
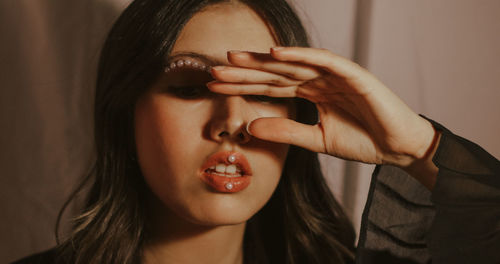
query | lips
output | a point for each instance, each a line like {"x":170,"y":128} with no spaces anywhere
{"x":224,"y":175}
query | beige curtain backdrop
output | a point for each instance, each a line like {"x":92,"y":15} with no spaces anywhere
{"x":441,"y":57}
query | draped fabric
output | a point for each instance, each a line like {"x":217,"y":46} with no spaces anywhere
{"x":458,"y":222}
{"x":441,"y":57}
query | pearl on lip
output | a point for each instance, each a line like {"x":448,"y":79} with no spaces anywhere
{"x":231,"y":158}
{"x":229,"y":186}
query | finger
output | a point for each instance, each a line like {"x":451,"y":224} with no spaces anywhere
{"x":244,"y":75}
{"x":265,"y":62}
{"x":254,"y":89}
{"x":317,"y":57}
{"x":287,"y":131}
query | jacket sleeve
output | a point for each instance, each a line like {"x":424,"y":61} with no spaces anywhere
{"x":458,"y":222}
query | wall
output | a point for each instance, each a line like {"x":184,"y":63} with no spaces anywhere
{"x":441,"y":57}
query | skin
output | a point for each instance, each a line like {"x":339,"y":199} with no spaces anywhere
{"x":190,"y":222}
{"x":360,"y":119}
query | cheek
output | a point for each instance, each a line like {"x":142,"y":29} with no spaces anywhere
{"x":166,"y":139}
{"x":163,"y":131}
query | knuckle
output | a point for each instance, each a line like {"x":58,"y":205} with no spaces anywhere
{"x":267,"y":92}
{"x":276,"y":81}
{"x":294,"y":74}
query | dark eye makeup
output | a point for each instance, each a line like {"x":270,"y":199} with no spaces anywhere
{"x":190,"y":84}
{"x":189,"y":91}
{"x":269,"y":99}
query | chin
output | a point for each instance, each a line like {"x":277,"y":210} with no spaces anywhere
{"x":222,"y":212}
{"x":220,"y":221}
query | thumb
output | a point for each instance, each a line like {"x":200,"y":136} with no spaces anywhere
{"x":283,"y":130}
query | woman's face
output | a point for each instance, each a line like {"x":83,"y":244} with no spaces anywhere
{"x":185,"y":134}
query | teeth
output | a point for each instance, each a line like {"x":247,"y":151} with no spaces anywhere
{"x":226,"y":170}
{"x":220,"y":168}
{"x":231,"y":169}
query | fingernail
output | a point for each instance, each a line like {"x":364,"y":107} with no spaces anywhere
{"x":235,"y":51}
{"x":276,"y":48}
{"x":219,"y":68}
{"x":248,"y":125}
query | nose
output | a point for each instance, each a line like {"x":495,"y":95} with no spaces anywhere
{"x":231,"y":115}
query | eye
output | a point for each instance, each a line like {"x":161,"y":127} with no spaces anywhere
{"x":188,"y":84}
{"x":189,"y":91}
{"x":268,"y":99}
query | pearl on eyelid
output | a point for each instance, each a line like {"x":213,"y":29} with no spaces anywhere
{"x":187,"y":63}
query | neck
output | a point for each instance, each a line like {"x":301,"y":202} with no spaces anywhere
{"x":172,"y":239}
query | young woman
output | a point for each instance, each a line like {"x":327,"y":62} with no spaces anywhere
{"x":208,"y":118}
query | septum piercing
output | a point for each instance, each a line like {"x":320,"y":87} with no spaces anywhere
{"x":187,"y":63}
{"x":229,"y":186}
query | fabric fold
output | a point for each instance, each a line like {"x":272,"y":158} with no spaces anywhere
{"x":458,"y":222}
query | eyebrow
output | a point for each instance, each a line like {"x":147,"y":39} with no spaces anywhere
{"x":209,"y":60}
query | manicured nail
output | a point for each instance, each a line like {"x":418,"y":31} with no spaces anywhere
{"x":248,"y":125}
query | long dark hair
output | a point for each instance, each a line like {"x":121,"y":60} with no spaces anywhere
{"x":302,"y":222}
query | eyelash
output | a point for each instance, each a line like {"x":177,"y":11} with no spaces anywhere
{"x":189,"y":92}
{"x":192,"y":92}
{"x":268,"y":99}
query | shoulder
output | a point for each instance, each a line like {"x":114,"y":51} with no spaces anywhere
{"x":44,"y":257}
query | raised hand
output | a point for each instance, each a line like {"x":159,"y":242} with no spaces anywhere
{"x":360,"y":118}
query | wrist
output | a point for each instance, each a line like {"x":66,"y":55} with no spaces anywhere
{"x":421,"y":166}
